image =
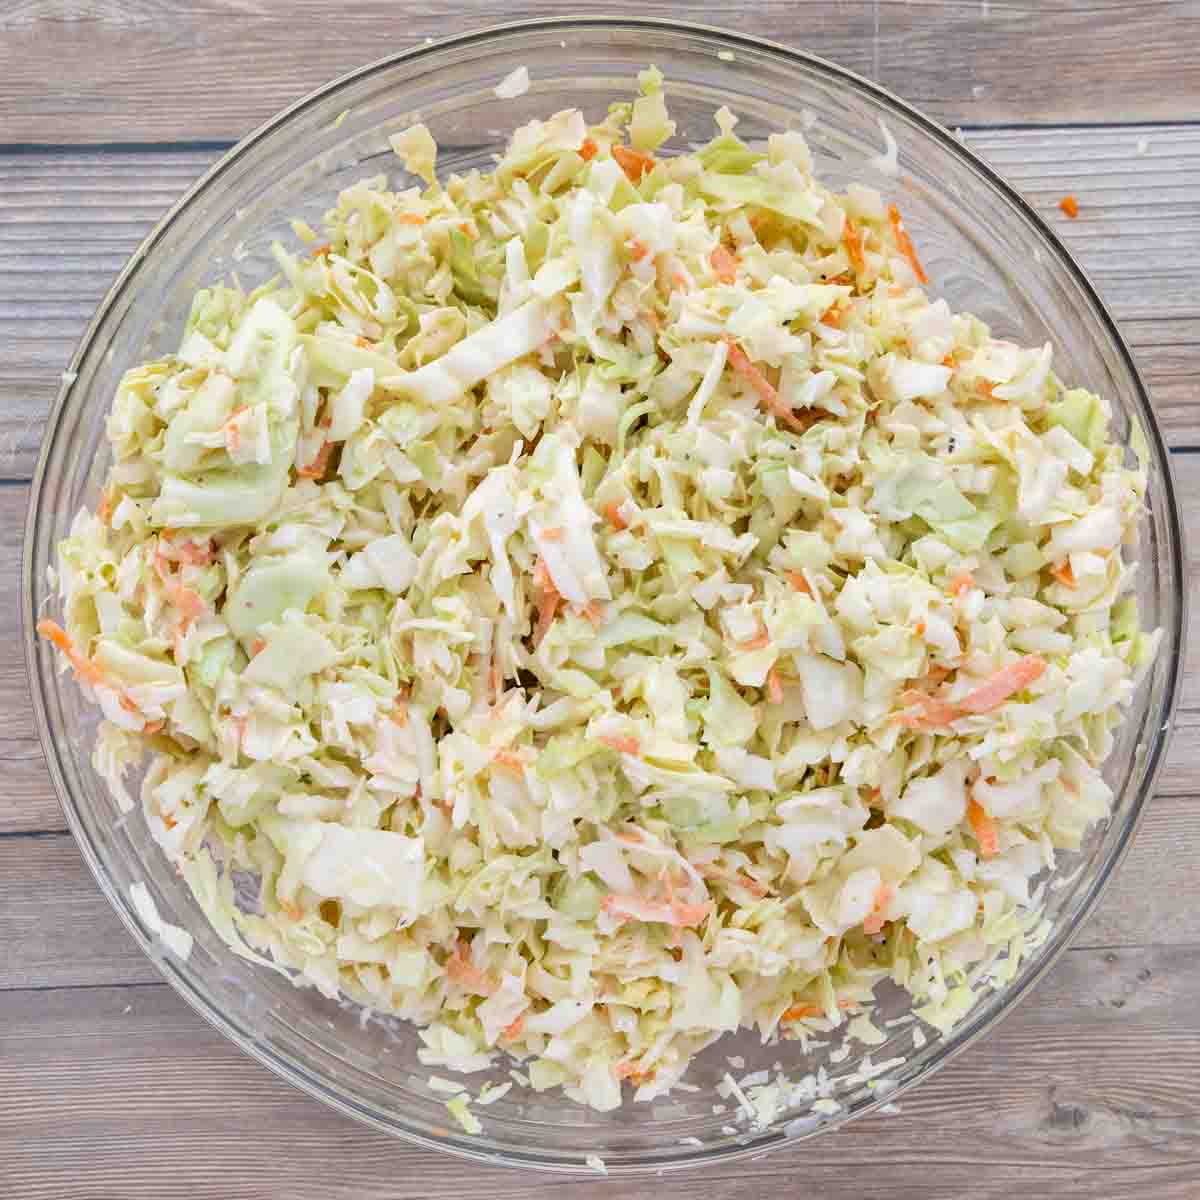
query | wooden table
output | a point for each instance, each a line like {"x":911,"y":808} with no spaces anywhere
{"x":110,"y":1087}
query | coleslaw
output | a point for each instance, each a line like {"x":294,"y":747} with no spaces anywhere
{"x":606,"y":603}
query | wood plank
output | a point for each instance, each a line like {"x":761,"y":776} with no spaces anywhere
{"x":31,"y":805}
{"x":177,"y":71}
{"x":1087,"y":1090}
{"x":71,"y":219}
{"x":57,"y":930}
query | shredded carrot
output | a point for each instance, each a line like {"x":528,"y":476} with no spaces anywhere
{"x":854,"y":249}
{"x":875,"y":919}
{"x":936,"y":675}
{"x":549,"y":599}
{"x":760,"y":641}
{"x":919,"y":629}
{"x":460,"y":970}
{"x":595,"y":612}
{"x":613,"y":512}
{"x":833,"y":317}
{"x":514,"y":1029}
{"x":1064,"y":574}
{"x":752,"y":885}
{"x":468,"y":230}
{"x":797,"y":580}
{"x":196,"y":556}
{"x":724,"y":264}
{"x":774,"y":686}
{"x":634,"y":163}
{"x":154,"y":727}
{"x":904,"y":243}
{"x":668,"y":912}
{"x":316,"y":468}
{"x":257,"y":647}
{"x":948,"y":361}
{"x":410,"y":219}
{"x":638,"y":249}
{"x":127,"y":704}
{"x":924,"y":712}
{"x":621,"y":743}
{"x":320,"y":251}
{"x":190,"y":604}
{"x":767,"y":393}
{"x":553,"y":534}
{"x":800,"y":1012}
{"x":509,"y":759}
{"x":588,"y":150}
{"x":1004,"y":683}
{"x":984,"y":387}
{"x":1070,"y":206}
{"x":363,"y":343}
{"x":960,"y":583}
{"x":104,"y":509}
{"x":399,"y":714}
{"x":84,"y":667}
{"x":983,"y":824}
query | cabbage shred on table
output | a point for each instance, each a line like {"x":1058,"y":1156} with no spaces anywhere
{"x":607,"y":603}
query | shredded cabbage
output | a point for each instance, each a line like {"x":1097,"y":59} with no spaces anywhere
{"x":597,"y":605}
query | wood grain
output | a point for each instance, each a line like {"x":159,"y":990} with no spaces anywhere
{"x":168,"y":70}
{"x":1087,"y":1091}
{"x":69,"y":220}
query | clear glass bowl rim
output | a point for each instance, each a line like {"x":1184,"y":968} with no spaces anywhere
{"x":987,"y":1014}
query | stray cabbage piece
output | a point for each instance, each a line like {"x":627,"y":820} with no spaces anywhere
{"x":597,"y":605}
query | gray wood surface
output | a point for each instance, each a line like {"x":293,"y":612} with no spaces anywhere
{"x":111,"y":1088}
{"x":227,"y":65}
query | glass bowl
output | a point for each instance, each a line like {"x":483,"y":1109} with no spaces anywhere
{"x":985,"y":251}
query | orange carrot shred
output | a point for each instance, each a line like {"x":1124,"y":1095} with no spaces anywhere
{"x":634,"y":163}
{"x":875,"y":922}
{"x":854,"y":248}
{"x":410,"y":219}
{"x":1006,"y":682}
{"x":983,"y":825}
{"x":513,"y":1030}
{"x":588,"y":150}
{"x":612,"y":511}
{"x":595,"y":612}
{"x":1064,"y":574}
{"x":553,"y":534}
{"x":797,"y":580}
{"x":549,"y":599}
{"x":799,"y":1012}
{"x":638,"y":250}
{"x":83,"y":666}
{"x":316,"y":468}
{"x":724,"y":264}
{"x":961,"y":583}
{"x":509,"y":759}
{"x":904,"y":243}
{"x":622,"y":743}
{"x":1070,"y":206}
